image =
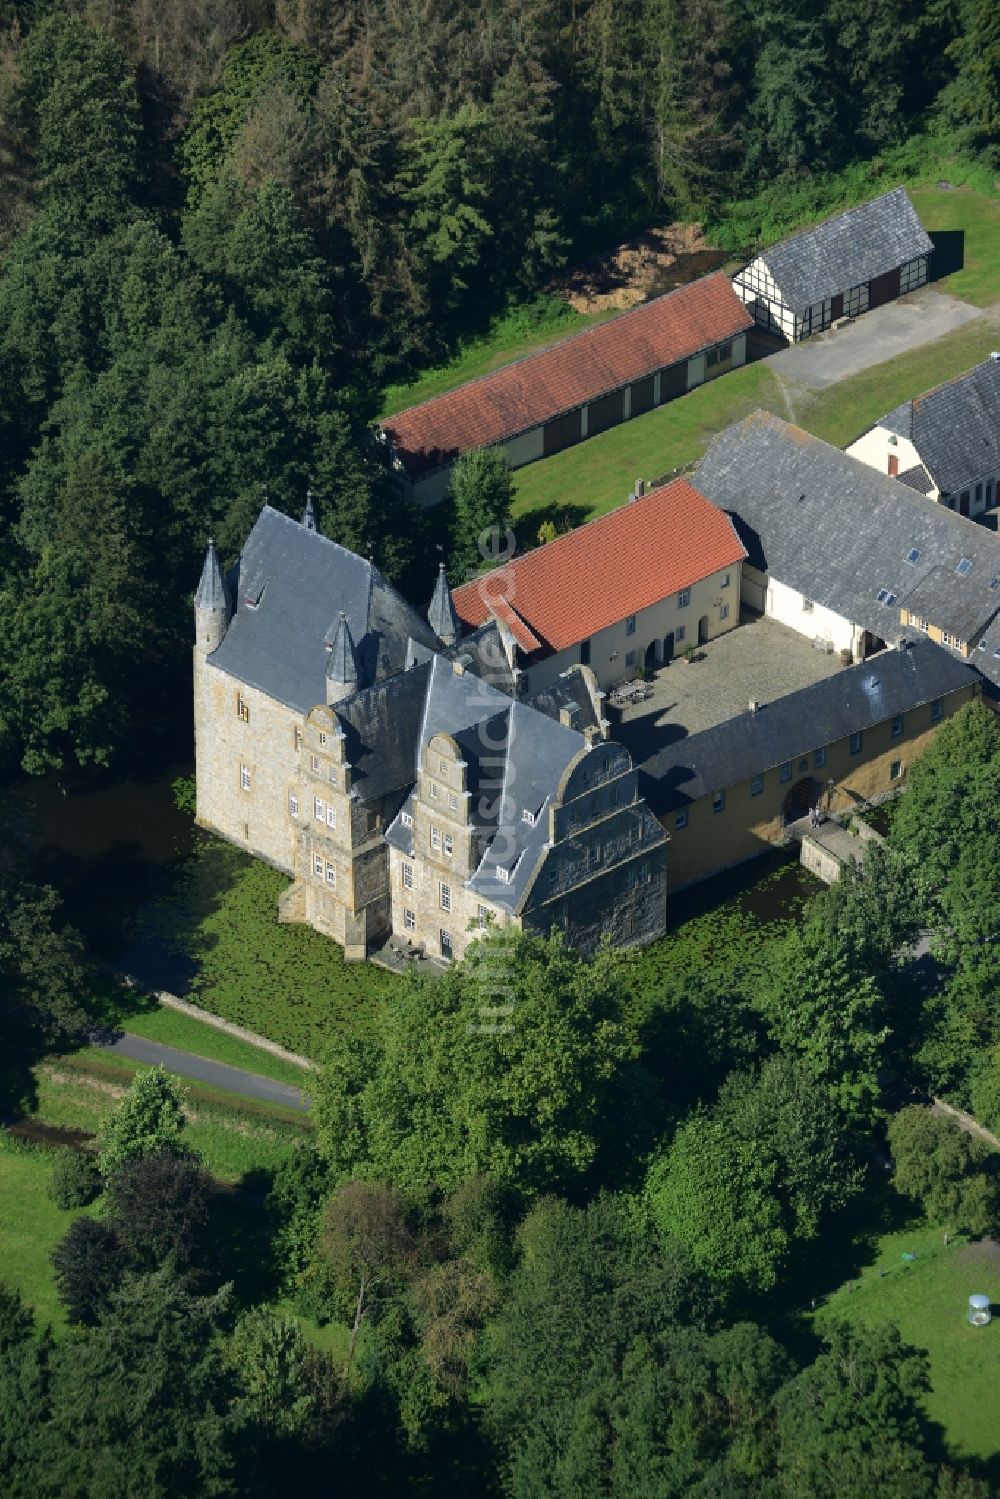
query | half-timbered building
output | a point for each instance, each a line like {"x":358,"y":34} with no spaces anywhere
{"x":848,"y":265}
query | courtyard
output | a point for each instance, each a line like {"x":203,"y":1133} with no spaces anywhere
{"x":746,"y":663}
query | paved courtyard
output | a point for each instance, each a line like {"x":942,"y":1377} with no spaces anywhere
{"x":876,"y":336}
{"x":748,"y":662}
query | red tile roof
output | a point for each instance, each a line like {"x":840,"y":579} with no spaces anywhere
{"x":604,"y":571}
{"x":579,"y":369}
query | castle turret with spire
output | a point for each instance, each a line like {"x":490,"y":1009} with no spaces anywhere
{"x":309,"y":513}
{"x":212,"y":605}
{"x":343,"y":672}
{"x":441,"y":615}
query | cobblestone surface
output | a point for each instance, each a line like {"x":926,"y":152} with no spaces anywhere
{"x":762,"y":659}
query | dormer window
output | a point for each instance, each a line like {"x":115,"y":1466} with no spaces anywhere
{"x":503,"y":875}
{"x":528,"y":817}
{"x":407,"y":819}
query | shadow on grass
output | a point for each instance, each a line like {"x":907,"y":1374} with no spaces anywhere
{"x":237,"y":1240}
{"x":565,"y":517}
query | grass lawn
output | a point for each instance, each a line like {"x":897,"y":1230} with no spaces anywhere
{"x":30,"y":1226}
{"x":978,"y":216}
{"x":521,"y":332}
{"x":287,"y":983}
{"x":927,"y":1300}
{"x":236,"y":1138}
{"x":172,"y":1028}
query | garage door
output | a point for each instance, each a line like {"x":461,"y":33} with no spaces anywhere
{"x":883,"y":289}
{"x":605,"y":413}
{"x":561,"y":432}
{"x":642,"y":396}
{"x":674,"y":381}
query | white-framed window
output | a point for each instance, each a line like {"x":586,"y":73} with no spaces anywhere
{"x":935,"y":710}
{"x":242,"y":708}
{"x":856,"y":743}
{"x":434,"y":791}
{"x":629,"y":660}
{"x":484,"y":917}
{"x":725,"y":581}
{"x":333,"y":775}
{"x":297,"y":738}
{"x":447,"y":948}
{"x":630,"y":625}
{"x":684,"y":598}
{"x":244,"y":778}
{"x":718,"y":801}
{"x":819,"y":756}
{"x":680,"y":633}
{"x":785,"y":773}
{"x":314,"y":761}
{"x":444,"y":896}
{"x":681,"y":819}
{"x":436,"y":839}
{"x":443,"y":766}
{"x":331,"y":873}
{"x":448,"y":845}
{"x":503,"y":875}
{"x":410,"y":920}
{"x":319,"y":809}
{"x":528,"y":816}
{"x":406,"y":870}
{"x":406,"y":818}
{"x":807,"y":605}
{"x":723,"y":611}
{"x":897,"y":726}
{"x":331,"y":816}
{"x":896,"y":770}
{"x":322,"y":741}
{"x":318,"y":866}
{"x":293,"y":804}
{"x":452,"y":802}
{"x":756,"y":785}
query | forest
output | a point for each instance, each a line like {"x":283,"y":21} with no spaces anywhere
{"x":226,"y":225}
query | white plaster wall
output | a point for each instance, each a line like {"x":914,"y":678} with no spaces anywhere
{"x":609,"y":648}
{"x":785,"y":605}
{"x":875,"y":449}
{"x":696,"y":371}
{"x":739,"y":350}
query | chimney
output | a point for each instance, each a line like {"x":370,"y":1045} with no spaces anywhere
{"x":640,"y":488}
{"x":754,"y":705}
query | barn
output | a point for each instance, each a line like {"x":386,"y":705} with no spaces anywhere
{"x":577,"y":388}
{"x":848,"y":265}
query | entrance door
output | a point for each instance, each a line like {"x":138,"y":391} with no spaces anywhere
{"x":703,"y":630}
{"x":668,"y":647}
{"x":649,"y":660}
{"x":803,"y":795}
{"x":883,"y":289}
{"x":837,"y":307}
{"x":446,"y":947}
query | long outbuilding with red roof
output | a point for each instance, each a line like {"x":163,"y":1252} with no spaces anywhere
{"x":574,"y":390}
{"x":625,"y":591}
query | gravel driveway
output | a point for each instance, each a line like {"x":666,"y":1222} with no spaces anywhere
{"x":876,"y":336}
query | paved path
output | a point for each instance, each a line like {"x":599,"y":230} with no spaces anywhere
{"x":217,"y":1074}
{"x":899,"y":326}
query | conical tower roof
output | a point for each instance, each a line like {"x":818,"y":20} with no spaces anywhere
{"x":342,"y":664}
{"x":441,"y":615}
{"x":212,"y":594}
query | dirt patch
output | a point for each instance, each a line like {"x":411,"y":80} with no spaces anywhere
{"x":644,"y":267}
{"x":40,"y":1133}
{"x":983,"y":1255}
{"x":113,"y":1090}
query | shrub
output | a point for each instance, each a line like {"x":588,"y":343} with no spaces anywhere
{"x":75,"y":1181}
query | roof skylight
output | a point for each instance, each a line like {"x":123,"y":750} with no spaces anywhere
{"x":913,"y":555}
{"x":964,"y":566}
{"x":884,"y":596}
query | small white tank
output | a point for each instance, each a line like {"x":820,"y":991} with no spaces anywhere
{"x":980,"y":1311}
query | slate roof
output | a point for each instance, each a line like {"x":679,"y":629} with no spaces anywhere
{"x":291,"y":584}
{"x":599,"y":574}
{"x":840,"y":533}
{"x":917,"y":478}
{"x":567,"y":694}
{"x":893,"y":682}
{"x":540,"y":386}
{"x":847,"y":250}
{"x":515,"y":756}
{"x":483,"y":653}
{"x":955,"y":428}
{"x":212,"y":594}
